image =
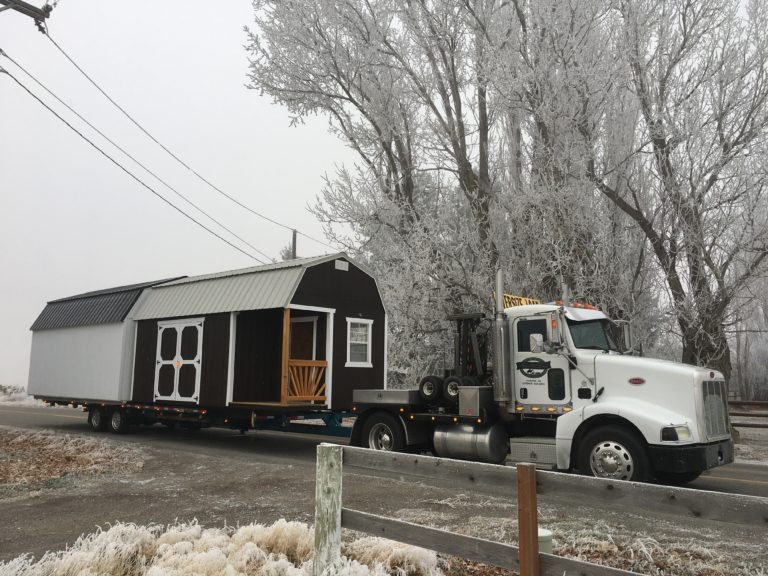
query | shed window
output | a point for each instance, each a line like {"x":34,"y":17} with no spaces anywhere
{"x":359,"y":332}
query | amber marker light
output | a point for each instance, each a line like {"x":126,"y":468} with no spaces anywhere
{"x":535,"y":408}
{"x":479,"y":420}
{"x":520,"y":408}
{"x":567,"y":409}
{"x":354,"y":408}
{"x":433,"y":418}
{"x":455,"y":419}
{"x":402,"y":409}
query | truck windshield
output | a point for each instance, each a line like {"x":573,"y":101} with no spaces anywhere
{"x":592,"y":335}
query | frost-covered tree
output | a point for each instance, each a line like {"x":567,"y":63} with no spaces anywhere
{"x":615,"y":145}
{"x":689,"y":167}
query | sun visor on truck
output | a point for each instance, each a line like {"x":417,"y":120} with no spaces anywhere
{"x":584,"y":314}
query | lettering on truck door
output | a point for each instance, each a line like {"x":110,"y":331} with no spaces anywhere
{"x":540,"y":378}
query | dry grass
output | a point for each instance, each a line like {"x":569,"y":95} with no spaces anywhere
{"x":31,"y":458}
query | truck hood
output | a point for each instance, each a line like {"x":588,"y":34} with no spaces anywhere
{"x":659,"y":382}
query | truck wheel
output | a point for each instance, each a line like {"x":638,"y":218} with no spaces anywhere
{"x":382,"y":431}
{"x":97,"y":418}
{"x":451,"y":388}
{"x":429,"y":389}
{"x":676,"y":478}
{"x":118,"y":422}
{"x":615,"y":453}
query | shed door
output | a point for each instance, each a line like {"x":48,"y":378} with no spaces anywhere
{"x":179,"y":358}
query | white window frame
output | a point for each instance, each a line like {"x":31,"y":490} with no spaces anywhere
{"x":369,"y":363}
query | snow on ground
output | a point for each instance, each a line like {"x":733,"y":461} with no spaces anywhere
{"x":282,"y":549}
{"x":29,"y":459}
{"x":17,"y":396}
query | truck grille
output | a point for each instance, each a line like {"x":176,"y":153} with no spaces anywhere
{"x":716,"y":409}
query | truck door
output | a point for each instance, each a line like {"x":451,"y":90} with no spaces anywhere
{"x":541,"y":379}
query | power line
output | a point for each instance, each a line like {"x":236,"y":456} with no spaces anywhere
{"x":174,"y":156}
{"x":108,"y":139}
{"x":124,"y":169}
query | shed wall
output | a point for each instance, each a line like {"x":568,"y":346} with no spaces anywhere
{"x":84,"y":362}
{"x":214,"y":366}
{"x":353,"y":294}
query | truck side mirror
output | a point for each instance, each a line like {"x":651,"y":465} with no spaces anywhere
{"x":536,"y":343}
{"x":626,"y":329}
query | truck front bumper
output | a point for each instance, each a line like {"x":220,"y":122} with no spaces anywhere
{"x":696,"y":458}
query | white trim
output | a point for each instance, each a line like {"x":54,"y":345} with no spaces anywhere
{"x":368,"y":364}
{"x":133,"y":357}
{"x":312,"y":319}
{"x":231,"y":360}
{"x":329,"y":359}
{"x":311,"y":308}
{"x":386,"y":339}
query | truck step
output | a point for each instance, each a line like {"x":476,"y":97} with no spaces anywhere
{"x":534,"y":449}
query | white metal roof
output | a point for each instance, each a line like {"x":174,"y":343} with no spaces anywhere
{"x":255,"y":288}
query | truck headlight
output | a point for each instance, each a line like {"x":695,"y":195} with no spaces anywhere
{"x":675,"y":434}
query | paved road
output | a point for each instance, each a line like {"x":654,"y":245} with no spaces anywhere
{"x":219,"y":477}
{"x":750,"y":479}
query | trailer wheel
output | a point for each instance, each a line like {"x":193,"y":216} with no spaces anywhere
{"x":97,"y":418}
{"x":382,"y":431}
{"x":118,"y":422}
{"x":451,"y":388}
{"x":615,"y":453}
{"x":429,"y":389}
{"x":676,"y":478}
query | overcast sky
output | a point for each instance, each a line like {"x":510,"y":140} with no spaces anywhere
{"x":72,"y":222}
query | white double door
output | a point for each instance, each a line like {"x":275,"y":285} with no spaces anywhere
{"x":179,"y":360}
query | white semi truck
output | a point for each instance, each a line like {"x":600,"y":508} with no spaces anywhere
{"x":561,"y":393}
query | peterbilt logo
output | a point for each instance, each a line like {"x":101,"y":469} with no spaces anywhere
{"x":533,"y":367}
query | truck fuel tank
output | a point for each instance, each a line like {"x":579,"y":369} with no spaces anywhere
{"x":469,"y":442}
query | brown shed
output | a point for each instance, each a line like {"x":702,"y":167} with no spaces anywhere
{"x":305,"y":332}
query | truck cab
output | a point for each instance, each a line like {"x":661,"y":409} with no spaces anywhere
{"x":563,"y":393}
{"x":617,"y":415}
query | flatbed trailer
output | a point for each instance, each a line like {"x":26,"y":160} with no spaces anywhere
{"x":119,"y":416}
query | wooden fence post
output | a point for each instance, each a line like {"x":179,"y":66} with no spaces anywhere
{"x":527,"y":520}
{"x":328,"y":509}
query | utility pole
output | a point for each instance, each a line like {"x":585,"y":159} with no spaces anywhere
{"x":37,"y":14}
{"x":293,"y":246}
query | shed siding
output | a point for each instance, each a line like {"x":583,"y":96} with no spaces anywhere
{"x":258,"y":353}
{"x":213,"y":379}
{"x":214,"y":366}
{"x":353,"y":294}
{"x":79,"y":362}
{"x":144,"y":362}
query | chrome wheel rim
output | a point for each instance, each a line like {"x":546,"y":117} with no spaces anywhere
{"x":380,"y":437}
{"x":610,"y":459}
{"x":117,"y":419}
{"x":452,"y":389}
{"x":428,"y":388}
{"x":96,"y":418}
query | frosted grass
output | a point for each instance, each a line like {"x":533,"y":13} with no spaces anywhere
{"x":282,"y":549}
